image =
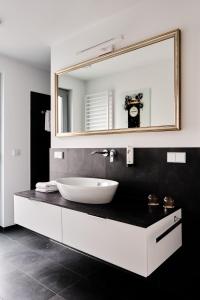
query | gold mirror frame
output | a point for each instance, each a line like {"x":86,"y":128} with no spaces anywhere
{"x":177,"y":84}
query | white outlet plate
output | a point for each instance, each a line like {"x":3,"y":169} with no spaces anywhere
{"x":181,"y":157}
{"x":176,"y":157}
{"x":171,"y":157}
{"x":58,"y":155}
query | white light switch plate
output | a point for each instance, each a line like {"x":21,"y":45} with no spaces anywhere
{"x":171,"y":157}
{"x":58,"y":155}
{"x":176,"y":157}
{"x":181,"y":157}
{"x":16,"y":152}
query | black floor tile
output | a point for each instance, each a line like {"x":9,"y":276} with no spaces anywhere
{"x":25,"y":259}
{"x":18,"y":233}
{"x":77,"y":262}
{"x":83,"y":290}
{"x":54,"y":276}
{"x":57,"y":297}
{"x":116,"y":280}
{"x":5,"y":266}
{"x":7,"y":244}
{"x":43,"y":246}
{"x":34,"y":267}
{"x":18,"y":286}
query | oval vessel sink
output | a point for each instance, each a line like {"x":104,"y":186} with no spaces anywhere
{"x":87,"y":190}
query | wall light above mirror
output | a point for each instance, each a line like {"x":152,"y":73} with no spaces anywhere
{"x":136,"y":88}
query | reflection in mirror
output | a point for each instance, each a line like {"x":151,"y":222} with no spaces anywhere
{"x":64,"y":110}
{"x":132,"y":90}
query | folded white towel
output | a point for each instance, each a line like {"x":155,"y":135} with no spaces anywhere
{"x":45,"y":185}
{"x":52,"y":188}
{"x":49,"y":190}
{"x":47,"y":125}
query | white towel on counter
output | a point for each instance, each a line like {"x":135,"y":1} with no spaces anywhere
{"x":49,"y":190}
{"x":45,"y":185}
{"x":47,"y":125}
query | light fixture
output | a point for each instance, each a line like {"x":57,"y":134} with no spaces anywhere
{"x":103,"y":47}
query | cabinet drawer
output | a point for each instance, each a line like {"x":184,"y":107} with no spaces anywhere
{"x":85,"y":232}
{"x":38,"y":216}
{"x":164,"y":238}
{"x":115,"y":242}
{"x":127,"y":246}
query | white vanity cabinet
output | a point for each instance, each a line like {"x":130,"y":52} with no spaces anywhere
{"x":134,"y":248}
{"x":38,"y":216}
{"x":127,"y":246}
{"x":85,"y":232}
{"x":163,"y":239}
{"x":118,"y":243}
{"x":137,"y":249}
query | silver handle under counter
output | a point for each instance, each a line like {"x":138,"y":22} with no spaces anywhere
{"x":171,"y":228}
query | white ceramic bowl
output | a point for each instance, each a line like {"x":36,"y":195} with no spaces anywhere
{"x":87,"y":190}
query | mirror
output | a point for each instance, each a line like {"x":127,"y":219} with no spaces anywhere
{"x":136,"y":88}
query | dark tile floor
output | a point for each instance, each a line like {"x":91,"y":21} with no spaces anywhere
{"x":33,"y":267}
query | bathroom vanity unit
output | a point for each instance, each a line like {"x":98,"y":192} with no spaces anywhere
{"x":137,"y":238}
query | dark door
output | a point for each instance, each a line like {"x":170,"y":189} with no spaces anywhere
{"x":40,"y":137}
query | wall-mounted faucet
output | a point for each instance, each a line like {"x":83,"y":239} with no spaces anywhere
{"x":112,"y":153}
{"x":105,"y":152}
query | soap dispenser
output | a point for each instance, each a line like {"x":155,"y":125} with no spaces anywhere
{"x":129,"y":156}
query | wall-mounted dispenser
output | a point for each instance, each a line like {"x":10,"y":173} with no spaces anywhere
{"x":129,"y":156}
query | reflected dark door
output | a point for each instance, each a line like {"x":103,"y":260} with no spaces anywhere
{"x":40,"y":138}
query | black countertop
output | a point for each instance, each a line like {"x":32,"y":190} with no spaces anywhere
{"x":136,"y":213}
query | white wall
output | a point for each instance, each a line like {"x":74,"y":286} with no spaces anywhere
{"x":147,"y":18}
{"x":18,"y":80}
{"x":156,"y":76}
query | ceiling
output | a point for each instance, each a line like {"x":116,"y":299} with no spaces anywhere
{"x":30,"y":27}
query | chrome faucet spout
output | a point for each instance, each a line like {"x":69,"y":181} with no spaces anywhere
{"x":97,"y":152}
{"x":104,"y":152}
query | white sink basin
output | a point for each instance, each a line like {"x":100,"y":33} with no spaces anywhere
{"x":87,"y":190}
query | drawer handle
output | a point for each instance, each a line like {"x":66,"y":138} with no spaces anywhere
{"x":160,"y":237}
